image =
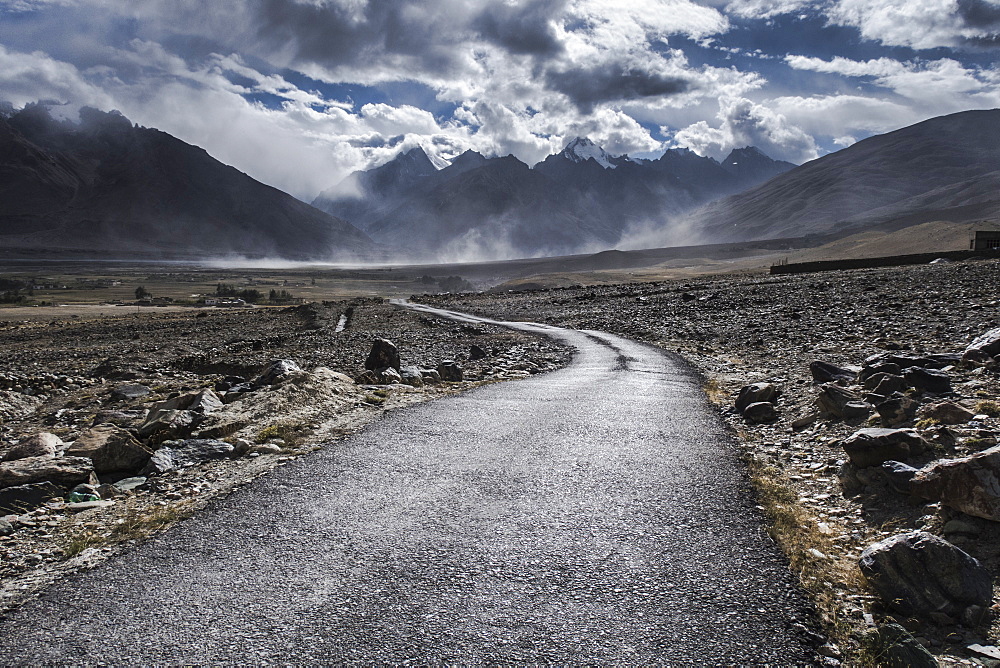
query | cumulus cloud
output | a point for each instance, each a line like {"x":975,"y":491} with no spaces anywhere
{"x":745,"y":123}
{"x":765,"y":9}
{"x":925,"y":24}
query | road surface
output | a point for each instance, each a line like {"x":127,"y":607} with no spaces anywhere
{"x":596,"y":514}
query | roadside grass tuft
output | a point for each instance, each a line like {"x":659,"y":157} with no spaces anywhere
{"x":812,"y":554}
{"x":716,"y":391}
{"x":290,"y":432}
{"x":990,"y":408}
{"x":134,"y":525}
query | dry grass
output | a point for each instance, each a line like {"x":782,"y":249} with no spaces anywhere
{"x":812,"y":554}
{"x":134,"y":525}
{"x":716,"y":392}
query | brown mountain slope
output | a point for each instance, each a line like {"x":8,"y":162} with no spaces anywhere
{"x":942,"y":168}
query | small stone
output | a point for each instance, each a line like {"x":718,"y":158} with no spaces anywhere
{"x":129,"y":392}
{"x":265,"y":449}
{"x":946,"y":412}
{"x":277,"y":371}
{"x":897,"y":648}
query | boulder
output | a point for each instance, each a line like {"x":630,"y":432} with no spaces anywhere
{"x":988,"y":343}
{"x":879,"y":366}
{"x":757,"y":392}
{"x":410,"y":375}
{"x":928,"y":380}
{"x":946,"y":412}
{"x":833,"y":400}
{"x":383,"y":354}
{"x":896,"y":410}
{"x":205,"y":402}
{"x":430,"y":375}
{"x":450,"y":371}
{"x":129,"y":392}
{"x":169,"y":423}
{"x":389,"y":376}
{"x":111,"y":449}
{"x":277,"y":371}
{"x":760,"y":412}
{"x":898,"y":475}
{"x":476,"y":353}
{"x":885,"y":383}
{"x":871,"y":447}
{"x":920,"y":574}
{"x":824,"y":372}
{"x":63,"y":471}
{"x":896,"y":648}
{"x":181,"y":454}
{"x":42,"y":444}
{"x":970,"y":484}
{"x":22,"y":498}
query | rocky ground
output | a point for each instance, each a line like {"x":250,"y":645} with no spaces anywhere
{"x":113,"y":427}
{"x":827,"y":487}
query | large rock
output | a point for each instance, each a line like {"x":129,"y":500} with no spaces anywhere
{"x":757,"y":392}
{"x":946,"y":412}
{"x":63,"y":471}
{"x":450,"y":371}
{"x":928,"y":380}
{"x":898,"y":475}
{"x":896,"y":410}
{"x":111,"y":449}
{"x":411,"y":375}
{"x":42,"y":444}
{"x":896,"y":648}
{"x":181,"y":454}
{"x":169,"y":424}
{"x":885,"y":383}
{"x":22,"y":498}
{"x":760,"y":412}
{"x":872,"y":447}
{"x":383,"y":354}
{"x":970,"y":484}
{"x":824,"y":372}
{"x":841,"y":403}
{"x":277,"y":371}
{"x":988,"y":343}
{"x":206,"y":402}
{"x":919,"y":574}
{"x":877,"y":367}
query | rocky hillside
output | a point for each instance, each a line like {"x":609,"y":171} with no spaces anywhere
{"x":945,"y":168}
{"x":109,"y":187}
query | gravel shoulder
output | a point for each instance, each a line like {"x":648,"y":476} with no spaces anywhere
{"x":738,"y":330}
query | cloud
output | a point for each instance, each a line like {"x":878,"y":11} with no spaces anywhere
{"x":522,"y":28}
{"x":614,"y":82}
{"x":765,"y":9}
{"x":921,"y":24}
{"x":745,"y":123}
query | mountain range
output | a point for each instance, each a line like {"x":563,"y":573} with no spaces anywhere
{"x":106,"y":186}
{"x":579,"y":199}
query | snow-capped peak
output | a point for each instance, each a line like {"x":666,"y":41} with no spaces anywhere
{"x":581,"y":148}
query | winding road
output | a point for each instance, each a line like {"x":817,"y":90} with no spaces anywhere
{"x":597,"y":514}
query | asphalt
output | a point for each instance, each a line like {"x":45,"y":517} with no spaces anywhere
{"x":593,"y":515}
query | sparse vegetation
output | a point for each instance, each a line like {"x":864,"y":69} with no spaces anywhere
{"x":991,"y":408}
{"x":134,"y":525}
{"x":292,"y":434}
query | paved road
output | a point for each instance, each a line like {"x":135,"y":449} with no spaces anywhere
{"x":595,"y":514}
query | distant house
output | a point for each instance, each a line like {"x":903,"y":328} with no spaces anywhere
{"x":985,"y":240}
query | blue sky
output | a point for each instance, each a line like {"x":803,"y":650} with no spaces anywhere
{"x":299,"y":93}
